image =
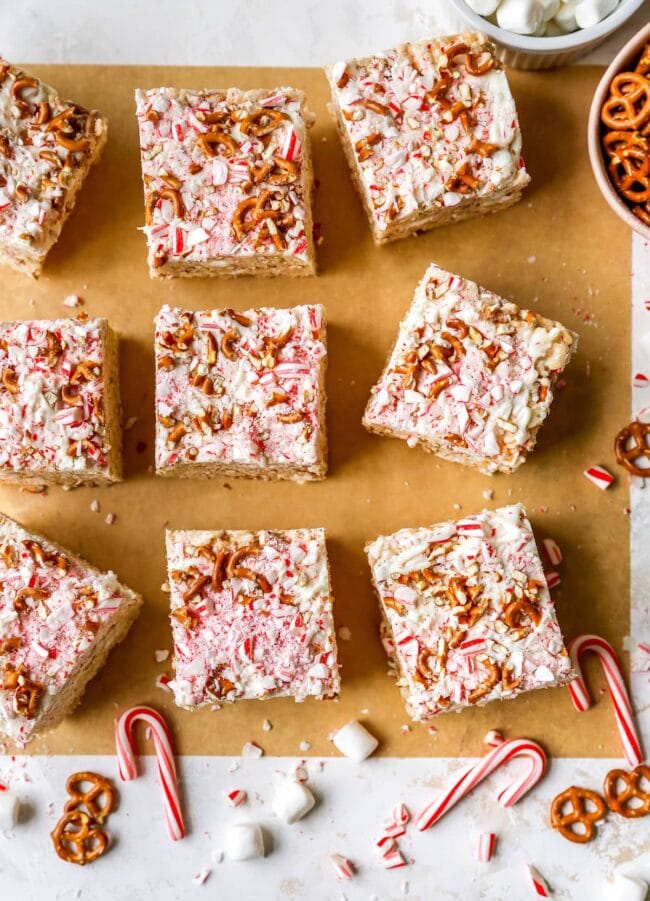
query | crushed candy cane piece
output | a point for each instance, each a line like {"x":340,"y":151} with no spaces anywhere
{"x":252,"y":750}
{"x":161,"y":656}
{"x":485,"y":846}
{"x":552,"y":551}
{"x":72,"y":300}
{"x":641,"y":380}
{"x":537,"y":882}
{"x":343,"y":867}
{"x":236,"y":797}
{"x":200,"y":877}
{"x":599,"y":476}
{"x":553,"y":579}
{"x":493,"y":738}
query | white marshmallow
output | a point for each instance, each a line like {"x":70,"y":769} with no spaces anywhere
{"x":244,"y":841}
{"x":552,"y":30}
{"x":292,"y":801}
{"x":549,"y":9}
{"x":627,"y":888}
{"x":355,"y":741}
{"x":590,"y":12}
{"x":521,"y":16}
{"x":9,"y":809}
{"x":483,"y":7}
{"x":565,"y":18}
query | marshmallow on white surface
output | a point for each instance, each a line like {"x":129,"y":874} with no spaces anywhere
{"x":9,"y":808}
{"x":355,"y":741}
{"x":483,"y":7}
{"x":521,"y":16}
{"x":292,"y":801}
{"x":590,"y":12}
{"x":244,"y":841}
{"x":627,"y":888}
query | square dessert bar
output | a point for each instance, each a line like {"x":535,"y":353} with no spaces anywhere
{"x":431,"y":133}
{"x":59,"y":402}
{"x":59,"y":618}
{"x":47,"y":146}
{"x":467,"y":616}
{"x":251,"y":616}
{"x":471,"y":375}
{"x":241,"y":394}
{"x":227,"y":182}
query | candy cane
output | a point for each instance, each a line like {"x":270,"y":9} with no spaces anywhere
{"x":579,"y":646}
{"x":164,"y":757}
{"x":471,"y":775}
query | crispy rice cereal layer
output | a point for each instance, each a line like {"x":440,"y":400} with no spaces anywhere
{"x":47,"y":146}
{"x":227,"y":181}
{"x":241,"y":394}
{"x":467,"y":616}
{"x":59,"y":618}
{"x":59,"y":402}
{"x":471,"y":376}
{"x":431,"y":133}
{"x":251,"y":616}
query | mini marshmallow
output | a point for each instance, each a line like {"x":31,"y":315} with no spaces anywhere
{"x":550,"y":9}
{"x":483,"y":7}
{"x":627,"y":888}
{"x":565,"y":18}
{"x":590,"y":12}
{"x":9,"y":809}
{"x":354,"y":741}
{"x":244,"y":841}
{"x":292,"y":801}
{"x":521,"y":16}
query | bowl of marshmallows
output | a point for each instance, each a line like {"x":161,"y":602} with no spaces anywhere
{"x":539,"y":34}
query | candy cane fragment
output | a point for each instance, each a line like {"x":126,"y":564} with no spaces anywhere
{"x":237,"y":797}
{"x":628,"y":733}
{"x":537,"y":882}
{"x":471,"y":775}
{"x":128,"y":766}
{"x":552,"y":551}
{"x":343,"y":867}
{"x":599,"y":477}
{"x":485,"y":846}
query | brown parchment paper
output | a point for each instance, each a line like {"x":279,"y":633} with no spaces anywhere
{"x":560,"y":251}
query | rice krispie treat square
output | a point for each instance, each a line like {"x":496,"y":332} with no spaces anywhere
{"x":466,"y":613}
{"x":47,"y":146}
{"x":59,"y":618}
{"x":430,"y":132}
{"x":59,"y":402}
{"x":227,"y":181}
{"x":471,"y":375}
{"x":241,"y":394}
{"x":251,"y":616}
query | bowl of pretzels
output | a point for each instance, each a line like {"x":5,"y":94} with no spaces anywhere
{"x":619,"y":134}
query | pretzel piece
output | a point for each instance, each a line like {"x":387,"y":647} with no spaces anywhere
{"x":77,"y":839}
{"x":632,"y":444}
{"x":619,"y":801}
{"x":564,"y":820}
{"x":98,"y":800}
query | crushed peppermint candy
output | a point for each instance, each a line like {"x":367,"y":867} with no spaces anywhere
{"x":264,"y":629}
{"x":599,"y":476}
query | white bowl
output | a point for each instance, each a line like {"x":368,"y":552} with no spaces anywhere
{"x":527,"y":52}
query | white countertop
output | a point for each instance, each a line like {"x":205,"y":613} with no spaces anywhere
{"x":227,"y":32}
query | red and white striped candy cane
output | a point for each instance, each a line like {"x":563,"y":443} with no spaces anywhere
{"x":164,"y":756}
{"x":579,"y":646}
{"x":471,"y":775}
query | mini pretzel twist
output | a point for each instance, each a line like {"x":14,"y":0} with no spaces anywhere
{"x":564,"y":821}
{"x":99,"y":799}
{"x":618,"y":801}
{"x":77,"y":839}
{"x":628,"y":105}
{"x":631,"y":445}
